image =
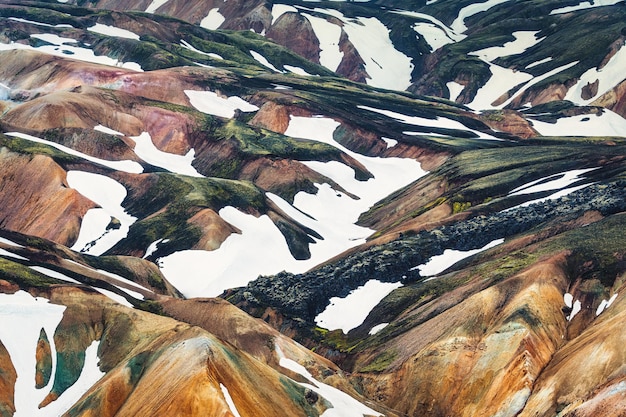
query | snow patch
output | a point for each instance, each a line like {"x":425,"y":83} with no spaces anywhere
{"x":377,"y":328}
{"x":459,"y":23}
{"x":109,"y":194}
{"x":4,"y":252}
{"x":213,"y":20}
{"x":179,"y":164}
{"x":575,"y":310}
{"x":54,"y":274}
{"x":263,"y":61}
{"x":152,"y":7}
{"x":187,"y":45}
{"x":211,"y":103}
{"x":606,"y":123}
{"x":523,"y":41}
{"x":328,"y":35}
{"x":113,"y":31}
{"x":604,"y":304}
{"x":351,"y":311}
{"x":552,"y":182}
{"x":229,"y":401}
{"x":10,"y":242}
{"x":440,"y":263}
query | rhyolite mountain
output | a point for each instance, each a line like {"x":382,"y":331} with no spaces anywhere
{"x":307,"y":208}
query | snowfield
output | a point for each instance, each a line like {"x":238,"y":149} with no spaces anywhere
{"x":23,"y":317}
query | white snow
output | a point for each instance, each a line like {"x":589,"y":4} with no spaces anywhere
{"x":552,"y":182}
{"x":440,"y":263}
{"x":10,"y":242}
{"x":541,"y":61}
{"x":108,"y":131}
{"x":605,"y":304}
{"x":229,"y":401}
{"x":259,"y":249}
{"x":54,"y":274}
{"x":390,"y":142}
{"x":263,"y":61}
{"x":126,"y":166}
{"x":114,"y":296}
{"x":328,"y":35}
{"x":459,"y":23}
{"x":66,"y":48}
{"x":23,"y":317}
{"x":377,"y":328}
{"x":351,"y":311}
{"x":434,"y":31}
{"x":523,"y":41}
{"x":153,"y":247}
{"x":534,"y":80}
{"x":585,"y":5}
{"x":4,"y":252}
{"x":554,"y":196}
{"x":296,"y":70}
{"x":187,"y":45}
{"x":113,"y":31}
{"x":501,"y":81}
{"x":455,"y":89}
{"x":386,"y":66}
{"x":213,"y":20}
{"x":109,"y":195}
{"x":575,"y":310}
{"x":568,"y":299}
{"x":211,"y":103}
{"x":179,"y":164}
{"x":343,"y":404}
{"x":127,"y":282}
{"x":330,"y":213}
{"x":440,"y":122}
{"x":152,"y":7}
{"x":608,"y":76}
{"x":279,"y":9}
{"x":32,"y":22}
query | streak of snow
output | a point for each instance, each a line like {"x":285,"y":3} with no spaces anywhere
{"x":213,"y":20}
{"x":210,"y":103}
{"x":113,"y":31}
{"x":523,"y":41}
{"x":108,"y":131}
{"x":187,"y":45}
{"x":179,"y":164}
{"x":4,"y":252}
{"x":606,"y":77}
{"x":459,"y":23}
{"x":229,"y":401}
{"x":351,"y":311}
{"x":343,"y":404}
{"x":585,"y":5}
{"x":296,"y":70}
{"x":605,"y":304}
{"x":114,"y":296}
{"x":440,"y":122}
{"x":436,"y":33}
{"x":328,"y":35}
{"x":125,"y":281}
{"x":54,"y":274}
{"x":377,"y":328}
{"x":126,"y":166}
{"x":23,"y":317}
{"x":541,"y":61}
{"x":263,"y":61}
{"x":109,"y":194}
{"x":152,"y":7}
{"x":440,"y":263}
{"x":575,"y":310}
{"x":153,"y":247}
{"x":552,"y":182}
{"x":10,"y":242}
{"x":32,"y":22}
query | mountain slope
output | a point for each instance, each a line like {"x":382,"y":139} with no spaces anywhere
{"x":401,"y":209}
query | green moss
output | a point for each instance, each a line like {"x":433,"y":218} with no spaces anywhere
{"x":380,"y":362}
{"x":25,"y":146}
{"x":24,"y":276}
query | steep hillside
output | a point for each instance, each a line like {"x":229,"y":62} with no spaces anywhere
{"x":303,"y":208}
